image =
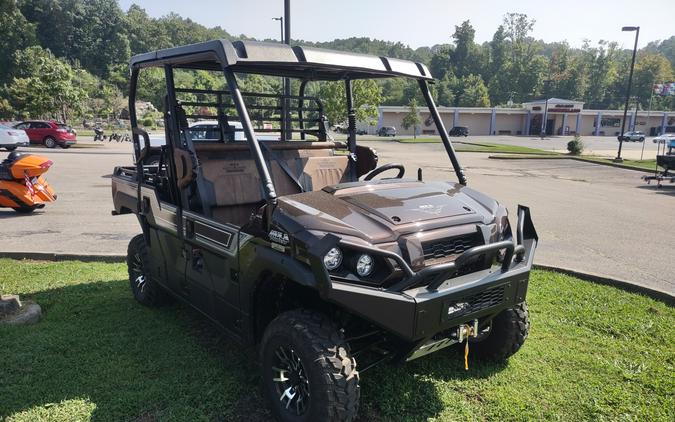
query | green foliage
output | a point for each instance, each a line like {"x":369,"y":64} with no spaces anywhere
{"x":575,"y":146}
{"x":472,"y":92}
{"x":44,"y":85}
{"x":16,"y":33}
{"x":367,"y":96}
{"x":412,"y":118}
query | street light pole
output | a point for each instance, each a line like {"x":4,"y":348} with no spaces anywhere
{"x":618,"y":158}
{"x":281,"y":20}
{"x":286,"y":108}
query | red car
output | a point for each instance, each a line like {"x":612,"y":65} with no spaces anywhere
{"x":48,"y":133}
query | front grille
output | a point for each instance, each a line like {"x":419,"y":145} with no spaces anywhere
{"x":485,"y":299}
{"x":475,"y":303}
{"x":446,"y":250}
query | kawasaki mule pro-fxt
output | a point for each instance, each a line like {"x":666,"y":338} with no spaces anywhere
{"x":289,"y":241}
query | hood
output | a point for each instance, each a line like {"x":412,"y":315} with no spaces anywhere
{"x":382,"y":211}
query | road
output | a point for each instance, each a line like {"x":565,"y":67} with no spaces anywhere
{"x":589,"y":217}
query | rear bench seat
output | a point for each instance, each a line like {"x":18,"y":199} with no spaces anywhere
{"x":232,"y":178}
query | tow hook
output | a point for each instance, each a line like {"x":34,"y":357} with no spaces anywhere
{"x":465,"y":331}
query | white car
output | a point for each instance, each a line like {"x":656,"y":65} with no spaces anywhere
{"x":209,"y":130}
{"x":665,"y":138}
{"x":11,"y":138}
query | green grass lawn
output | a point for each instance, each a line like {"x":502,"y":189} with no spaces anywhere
{"x":594,"y":353}
{"x":649,"y":165}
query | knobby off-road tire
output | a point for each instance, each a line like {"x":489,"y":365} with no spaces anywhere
{"x":305,"y":356}
{"x":145,"y":290}
{"x":508,"y":332}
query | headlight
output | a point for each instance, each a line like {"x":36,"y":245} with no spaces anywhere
{"x":365,"y":265}
{"x":332,"y":259}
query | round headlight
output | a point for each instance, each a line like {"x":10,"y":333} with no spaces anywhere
{"x":365,"y":265}
{"x":332,"y":259}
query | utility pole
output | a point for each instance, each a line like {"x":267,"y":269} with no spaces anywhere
{"x":542,"y":133}
{"x":618,"y":158}
{"x":286,"y":104}
{"x":649,"y":111}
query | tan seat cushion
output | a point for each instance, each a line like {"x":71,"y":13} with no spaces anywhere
{"x":234,"y":182}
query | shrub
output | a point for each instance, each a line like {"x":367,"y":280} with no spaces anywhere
{"x":575,"y":146}
{"x":148,"y":122}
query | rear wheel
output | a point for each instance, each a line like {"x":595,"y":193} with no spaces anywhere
{"x":26,"y":210}
{"x":50,"y":142}
{"x":146,"y":291}
{"x":65,"y":146}
{"x":12,"y":148}
{"x":308,"y":371}
{"x":504,"y":336}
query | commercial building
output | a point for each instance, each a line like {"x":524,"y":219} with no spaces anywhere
{"x":563,"y":117}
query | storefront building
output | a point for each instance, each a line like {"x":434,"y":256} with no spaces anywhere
{"x":563,"y":117}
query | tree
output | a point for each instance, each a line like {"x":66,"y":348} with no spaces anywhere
{"x":412,"y":118}
{"x":16,"y":33}
{"x":474,"y":93}
{"x":44,"y":85}
{"x":466,"y":57}
{"x":367,"y":96}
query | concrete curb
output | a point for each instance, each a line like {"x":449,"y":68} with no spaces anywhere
{"x":566,"y":157}
{"x":625,"y":285}
{"x":657,"y":294}
{"x":50,"y":256}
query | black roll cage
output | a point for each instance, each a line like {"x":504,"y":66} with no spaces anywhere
{"x":306,"y":64}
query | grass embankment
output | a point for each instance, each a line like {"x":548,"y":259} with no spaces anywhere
{"x":594,"y":353}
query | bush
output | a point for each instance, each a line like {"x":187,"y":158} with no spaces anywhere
{"x":575,"y":146}
{"x":148,"y":122}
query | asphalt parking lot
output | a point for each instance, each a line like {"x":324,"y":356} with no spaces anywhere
{"x":592,"y":218}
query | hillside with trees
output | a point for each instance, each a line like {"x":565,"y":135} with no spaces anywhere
{"x":67,"y":59}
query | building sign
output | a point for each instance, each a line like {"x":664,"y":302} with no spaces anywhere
{"x":564,"y":108}
{"x":557,"y":109}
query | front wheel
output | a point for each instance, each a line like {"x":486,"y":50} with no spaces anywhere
{"x":504,"y":336}
{"x":50,"y":142}
{"x":307,"y":369}
{"x":143,"y":286}
{"x":12,"y":148}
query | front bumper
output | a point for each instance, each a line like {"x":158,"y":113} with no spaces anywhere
{"x":418,"y":313}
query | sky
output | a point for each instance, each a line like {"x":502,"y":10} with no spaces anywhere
{"x":427,"y":22}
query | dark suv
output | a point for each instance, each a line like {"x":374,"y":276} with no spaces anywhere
{"x":459,"y":131}
{"x":386,"y":131}
{"x":48,"y":133}
{"x":303,"y":248}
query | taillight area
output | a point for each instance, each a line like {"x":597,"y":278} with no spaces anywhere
{"x":46,"y":164}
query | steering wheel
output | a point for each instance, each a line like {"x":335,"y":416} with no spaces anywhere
{"x":382,"y":169}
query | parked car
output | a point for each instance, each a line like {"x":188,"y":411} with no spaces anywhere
{"x":361,"y":132}
{"x":632,"y":136}
{"x":386,"y":131}
{"x":48,"y":133}
{"x":209,"y":130}
{"x":459,"y":131}
{"x":11,"y":138}
{"x":665,"y":138}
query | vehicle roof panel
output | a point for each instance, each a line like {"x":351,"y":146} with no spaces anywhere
{"x":281,"y":60}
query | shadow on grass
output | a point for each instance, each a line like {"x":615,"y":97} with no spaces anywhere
{"x":97,"y":346}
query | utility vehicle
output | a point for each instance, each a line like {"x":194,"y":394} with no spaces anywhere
{"x":295,"y":245}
